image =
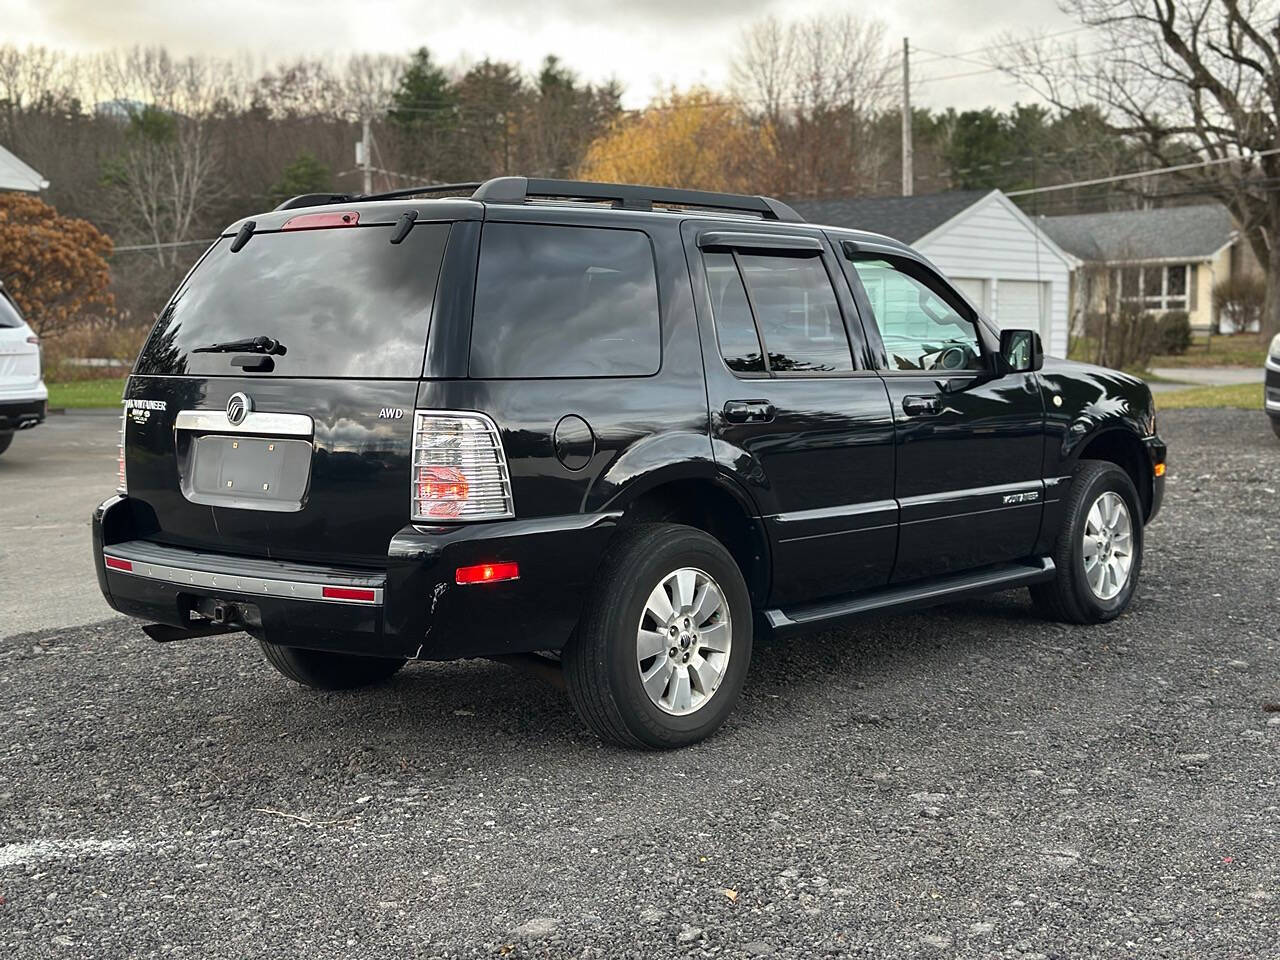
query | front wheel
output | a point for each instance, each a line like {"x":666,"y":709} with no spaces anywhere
{"x":1099,"y":549}
{"x":1275,"y":427}
{"x":325,"y":670}
{"x":661,"y":651}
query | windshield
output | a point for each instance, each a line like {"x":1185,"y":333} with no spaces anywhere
{"x":9,"y":316}
{"x":343,"y":302}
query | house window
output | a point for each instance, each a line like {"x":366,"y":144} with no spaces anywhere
{"x":1156,"y":287}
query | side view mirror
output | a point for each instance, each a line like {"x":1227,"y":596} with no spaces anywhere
{"x":1021,"y":351}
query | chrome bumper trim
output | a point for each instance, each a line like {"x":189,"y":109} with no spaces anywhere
{"x":285,"y":589}
{"x":1273,"y":363}
{"x":272,"y":424}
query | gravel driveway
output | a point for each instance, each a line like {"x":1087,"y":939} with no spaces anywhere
{"x":967,"y":782}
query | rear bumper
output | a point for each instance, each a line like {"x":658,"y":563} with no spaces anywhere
{"x":22,"y":414}
{"x":412,"y":607}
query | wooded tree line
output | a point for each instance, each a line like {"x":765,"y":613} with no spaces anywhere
{"x":162,"y":151}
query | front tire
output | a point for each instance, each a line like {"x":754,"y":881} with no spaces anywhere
{"x":1099,"y":549}
{"x":1275,"y":428}
{"x":661,"y":652}
{"x":326,"y":670}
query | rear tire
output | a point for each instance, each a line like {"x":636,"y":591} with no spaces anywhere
{"x":1097,"y":585}
{"x":661,"y":587}
{"x":5,"y":440}
{"x":325,"y":670}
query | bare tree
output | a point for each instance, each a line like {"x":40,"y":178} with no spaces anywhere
{"x":819,"y":84}
{"x":168,"y":171}
{"x":1189,"y":81}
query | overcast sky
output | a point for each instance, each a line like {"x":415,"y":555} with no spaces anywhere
{"x":646,"y":44}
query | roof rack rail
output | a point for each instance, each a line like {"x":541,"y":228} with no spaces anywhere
{"x":425,"y":188}
{"x":320,"y":199}
{"x":313,"y":200}
{"x":629,"y":196}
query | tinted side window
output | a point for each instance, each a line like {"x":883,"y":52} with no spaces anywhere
{"x":796,"y":309}
{"x":735,"y":328}
{"x":556,"y":301}
{"x":920,"y":330}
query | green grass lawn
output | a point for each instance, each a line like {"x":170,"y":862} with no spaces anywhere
{"x":1245,"y":350}
{"x":86,"y":393}
{"x":1243,"y":396}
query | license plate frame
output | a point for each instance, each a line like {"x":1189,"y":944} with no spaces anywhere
{"x":248,"y":473}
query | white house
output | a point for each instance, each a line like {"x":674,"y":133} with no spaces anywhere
{"x":982,"y":241}
{"x":16,"y":175}
{"x":1157,"y":260}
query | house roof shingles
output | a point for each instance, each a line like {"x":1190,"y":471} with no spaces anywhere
{"x":903,"y":218}
{"x":1172,"y":233}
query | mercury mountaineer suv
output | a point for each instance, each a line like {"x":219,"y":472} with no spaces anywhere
{"x":617,"y":429}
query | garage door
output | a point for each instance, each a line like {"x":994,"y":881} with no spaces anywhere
{"x":975,"y":290}
{"x":1024,"y":303}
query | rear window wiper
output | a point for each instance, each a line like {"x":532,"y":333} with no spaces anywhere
{"x":268,"y":345}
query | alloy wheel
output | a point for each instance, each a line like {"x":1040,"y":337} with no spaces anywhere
{"x":1108,"y":545}
{"x":683,"y":641}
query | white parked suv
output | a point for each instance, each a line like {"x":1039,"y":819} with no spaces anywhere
{"x":23,"y":396}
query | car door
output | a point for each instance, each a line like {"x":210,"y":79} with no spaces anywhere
{"x":802,"y":422}
{"x":969,"y":443}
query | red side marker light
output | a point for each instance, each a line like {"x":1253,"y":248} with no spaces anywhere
{"x":348,"y":593}
{"x":115,"y":563}
{"x":318,"y":221}
{"x":488,"y":573}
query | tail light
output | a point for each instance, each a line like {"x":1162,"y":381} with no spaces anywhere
{"x":459,"y":468}
{"x":122,"y":480}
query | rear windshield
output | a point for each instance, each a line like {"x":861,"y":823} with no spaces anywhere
{"x":342,"y":302}
{"x":9,"y":316}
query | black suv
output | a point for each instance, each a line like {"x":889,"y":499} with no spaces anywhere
{"x":625,"y":428}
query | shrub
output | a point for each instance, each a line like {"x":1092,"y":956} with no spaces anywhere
{"x":1238,"y":302}
{"x":1173,"y":331}
{"x":1127,"y":339}
{"x":93,"y":349}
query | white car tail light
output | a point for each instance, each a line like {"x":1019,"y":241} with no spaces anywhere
{"x":459,"y":468}
{"x":122,"y":481}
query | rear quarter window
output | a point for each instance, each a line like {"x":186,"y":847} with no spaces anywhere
{"x":562,"y":301}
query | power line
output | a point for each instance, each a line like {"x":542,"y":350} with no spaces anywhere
{"x":131,"y":248}
{"x":938,"y":55}
{"x":1142,"y":173}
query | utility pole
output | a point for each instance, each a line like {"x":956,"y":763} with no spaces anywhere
{"x":366,"y":153}
{"x":908,"y":161}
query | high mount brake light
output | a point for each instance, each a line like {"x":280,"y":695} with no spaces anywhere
{"x":459,"y":468}
{"x":318,"y":221}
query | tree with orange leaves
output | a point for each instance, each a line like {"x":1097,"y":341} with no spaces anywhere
{"x":695,"y":140}
{"x":54,"y":267}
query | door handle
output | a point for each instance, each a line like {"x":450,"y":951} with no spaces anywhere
{"x":920,"y":406}
{"x":748,"y":411}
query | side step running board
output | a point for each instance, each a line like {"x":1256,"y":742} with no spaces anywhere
{"x":830,"y":613}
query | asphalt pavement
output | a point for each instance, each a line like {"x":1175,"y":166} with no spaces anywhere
{"x":52,"y":477}
{"x":966,"y":782}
